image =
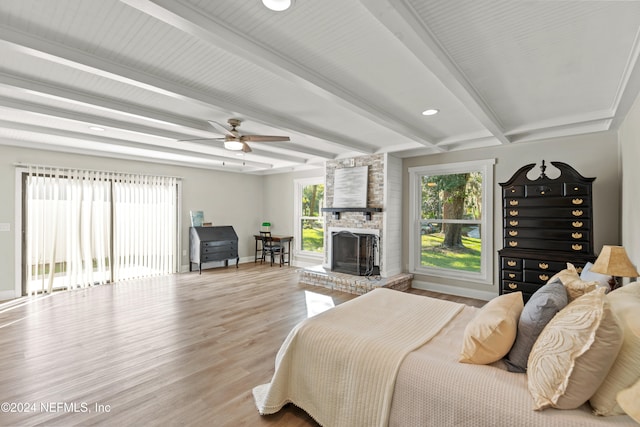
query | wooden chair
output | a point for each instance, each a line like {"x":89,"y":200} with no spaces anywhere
{"x":269,"y":247}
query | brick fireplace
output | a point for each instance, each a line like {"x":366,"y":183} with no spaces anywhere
{"x":384,"y":221}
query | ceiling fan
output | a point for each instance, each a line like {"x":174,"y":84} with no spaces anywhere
{"x":234,"y":140}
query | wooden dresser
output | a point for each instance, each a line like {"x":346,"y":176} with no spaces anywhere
{"x":208,"y":244}
{"x":546,"y":223}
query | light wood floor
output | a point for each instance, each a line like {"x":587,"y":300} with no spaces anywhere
{"x":180,"y":350}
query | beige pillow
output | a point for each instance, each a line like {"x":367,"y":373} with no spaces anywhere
{"x":573,"y":353}
{"x":625,"y":303}
{"x":490,"y":335}
{"x":629,"y":400}
{"x":571,"y":280}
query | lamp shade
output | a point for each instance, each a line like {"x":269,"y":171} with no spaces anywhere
{"x":613,"y":261}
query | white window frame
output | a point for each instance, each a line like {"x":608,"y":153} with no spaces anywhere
{"x":485,"y":276}
{"x":299,"y":185}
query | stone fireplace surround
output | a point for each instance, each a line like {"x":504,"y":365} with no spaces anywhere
{"x":384,"y":192}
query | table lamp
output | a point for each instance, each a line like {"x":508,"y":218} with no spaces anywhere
{"x":613,"y":261}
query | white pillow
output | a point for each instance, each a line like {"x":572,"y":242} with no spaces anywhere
{"x":589,"y":276}
{"x":625,"y":371}
{"x":574,"y":353}
{"x":490,"y":335}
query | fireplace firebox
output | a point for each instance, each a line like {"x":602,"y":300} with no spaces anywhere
{"x":354,"y":253}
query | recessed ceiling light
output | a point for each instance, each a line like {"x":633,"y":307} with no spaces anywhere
{"x":430,"y":112}
{"x":277,"y":5}
{"x":96,"y":128}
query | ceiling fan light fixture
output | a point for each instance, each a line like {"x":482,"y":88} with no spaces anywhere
{"x":233,"y":145}
{"x":277,"y":5}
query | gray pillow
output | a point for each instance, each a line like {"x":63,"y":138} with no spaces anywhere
{"x":537,"y":312}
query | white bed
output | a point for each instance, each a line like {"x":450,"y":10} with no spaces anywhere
{"x":429,"y":387}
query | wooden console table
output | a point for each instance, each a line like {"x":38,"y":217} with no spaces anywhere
{"x":281,"y":240}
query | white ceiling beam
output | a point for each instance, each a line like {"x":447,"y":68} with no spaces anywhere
{"x":228,"y":167}
{"x":83,"y":61}
{"x":78,"y":97}
{"x":279,"y":155}
{"x":629,"y":87}
{"x":45,"y":133}
{"x":400,"y":19}
{"x":77,"y":117}
{"x":219,"y":33}
{"x":567,"y":122}
{"x":184,"y":126}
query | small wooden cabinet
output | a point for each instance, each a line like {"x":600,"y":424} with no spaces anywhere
{"x":546,"y":223}
{"x":208,"y":244}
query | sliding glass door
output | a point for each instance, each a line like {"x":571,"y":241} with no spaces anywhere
{"x":83,"y":228}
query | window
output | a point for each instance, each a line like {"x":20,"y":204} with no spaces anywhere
{"x":309,"y":227}
{"x":451,"y":213}
{"x":88,"y":227}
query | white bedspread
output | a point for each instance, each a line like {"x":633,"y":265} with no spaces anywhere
{"x":341,"y":366}
{"x":434,"y":389}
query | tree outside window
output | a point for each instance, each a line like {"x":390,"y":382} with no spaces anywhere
{"x":450,"y":221}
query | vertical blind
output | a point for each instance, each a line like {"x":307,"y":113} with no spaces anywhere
{"x":90,"y":227}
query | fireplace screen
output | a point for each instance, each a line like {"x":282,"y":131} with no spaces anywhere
{"x":353,"y":253}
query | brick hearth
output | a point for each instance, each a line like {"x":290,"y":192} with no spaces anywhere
{"x":319,"y":276}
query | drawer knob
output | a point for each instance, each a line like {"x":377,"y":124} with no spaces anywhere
{"x":513,"y":244}
{"x":511,"y":263}
{"x":577,"y":201}
{"x":576,"y":235}
{"x":513,"y":202}
{"x":514,"y":223}
{"x":543,"y":266}
{"x":512,"y":286}
{"x":513,"y":233}
{"x":513,"y":213}
{"x":576,"y":247}
{"x":512,"y":276}
{"x":577,"y":224}
{"x":577,"y":213}
{"x":543,"y":277}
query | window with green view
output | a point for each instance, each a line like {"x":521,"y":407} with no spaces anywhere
{"x":452,"y":236}
{"x":311,"y":218}
{"x":451,"y":220}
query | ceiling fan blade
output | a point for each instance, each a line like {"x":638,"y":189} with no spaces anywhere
{"x":265,"y":138}
{"x":246,"y":148}
{"x":220,"y":127}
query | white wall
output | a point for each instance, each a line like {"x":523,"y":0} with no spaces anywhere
{"x":393,"y":191}
{"x":593,"y":155}
{"x":226,"y":198}
{"x":630,"y":148}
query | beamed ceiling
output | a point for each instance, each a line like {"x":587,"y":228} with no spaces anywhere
{"x":340,"y":78}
